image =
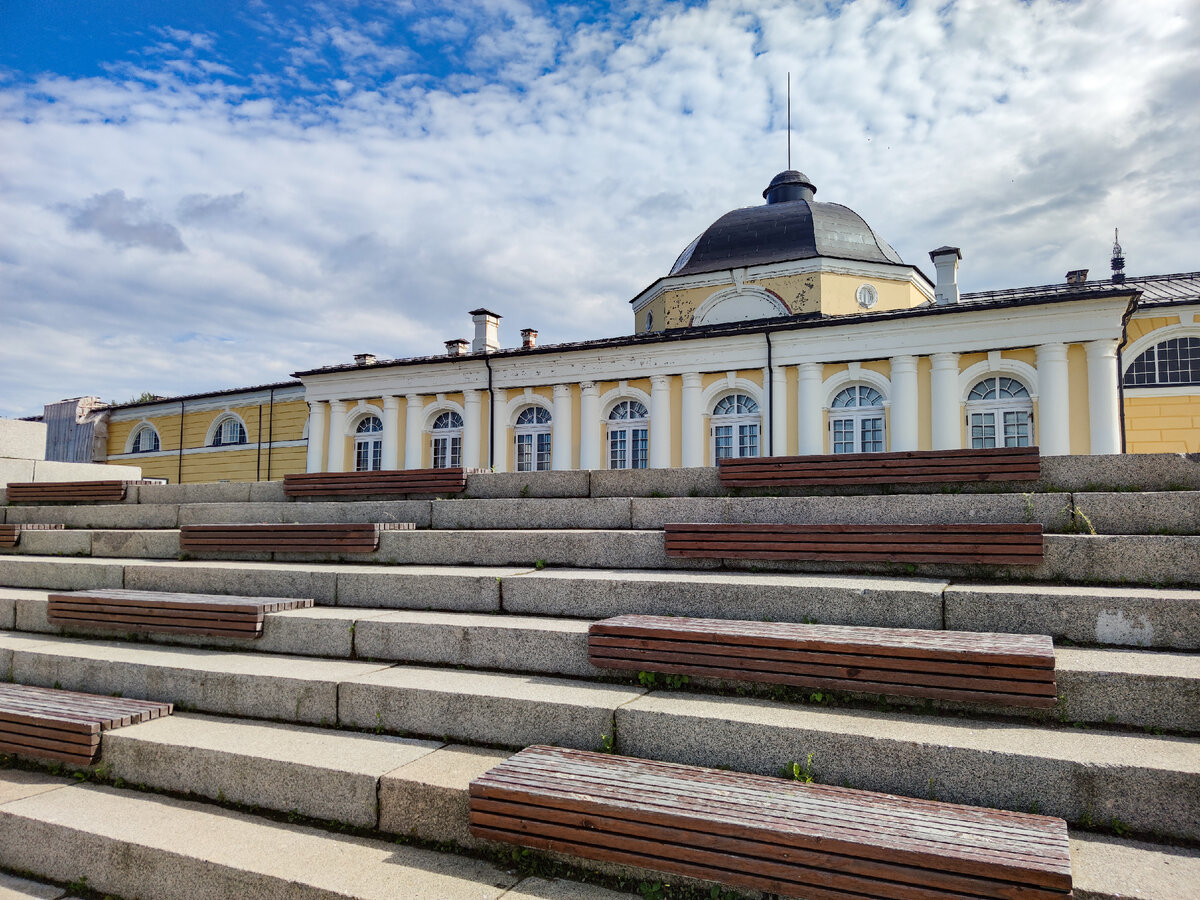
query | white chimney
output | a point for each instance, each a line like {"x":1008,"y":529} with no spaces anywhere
{"x":1077,"y":276}
{"x":528,"y":338}
{"x":487,"y":331}
{"x":456,"y":347}
{"x":364,"y":359}
{"x":945,"y":260}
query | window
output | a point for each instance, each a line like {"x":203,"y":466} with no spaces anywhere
{"x":1175,"y":361}
{"x":735,"y":427}
{"x":447,"y":441}
{"x":533,"y":439}
{"x":145,"y":440}
{"x":999,"y":413}
{"x":856,"y":421}
{"x":368,"y":445}
{"x":628,"y":436}
{"x":229,"y":430}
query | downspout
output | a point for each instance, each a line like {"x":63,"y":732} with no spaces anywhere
{"x":1132,"y":308}
{"x":491,"y":415}
{"x":179,"y":475}
{"x":270,"y":432}
{"x":258,"y":460}
{"x":767,"y":390}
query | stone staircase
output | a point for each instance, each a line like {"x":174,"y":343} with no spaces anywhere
{"x":294,"y":762}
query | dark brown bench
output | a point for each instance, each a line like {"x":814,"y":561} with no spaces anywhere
{"x":1006,"y":669}
{"x":767,"y":834}
{"x":914,"y":466}
{"x":70,"y":491}
{"x":340,"y":537}
{"x":156,"y":611}
{"x":10,"y":535}
{"x":987,"y":544}
{"x":392,"y":482}
{"x":65,"y":725}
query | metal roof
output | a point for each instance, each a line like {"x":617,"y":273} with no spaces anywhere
{"x":1154,"y":288}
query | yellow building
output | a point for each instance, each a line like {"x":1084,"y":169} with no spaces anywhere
{"x":788,"y":327}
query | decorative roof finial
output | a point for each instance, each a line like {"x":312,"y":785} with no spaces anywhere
{"x":1118,"y":259}
{"x":789,"y":121}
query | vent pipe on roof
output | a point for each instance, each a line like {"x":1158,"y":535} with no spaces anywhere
{"x":456,"y":347}
{"x":487,"y":331}
{"x":945,"y":260}
{"x":1077,"y":276}
{"x":528,"y":338}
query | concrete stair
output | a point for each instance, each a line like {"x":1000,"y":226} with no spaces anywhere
{"x":423,"y":665}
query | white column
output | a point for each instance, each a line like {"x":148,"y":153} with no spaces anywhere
{"x":589,"y":426}
{"x":412,"y":432}
{"x":808,"y":410}
{"x":391,"y":432}
{"x":660,"y":422}
{"x":316,"y":436}
{"x":944,"y":402}
{"x":1104,"y":410}
{"x":337,"y":436}
{"x":1054,"y":404}
{"x":779,"y":416}
{"x":904,"y":403}
{"x":500,"y":430}
{"x":692,"y":439}
{"x":562,"y":431}
{"x":472,"y":429}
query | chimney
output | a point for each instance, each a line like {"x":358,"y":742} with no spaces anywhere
{"x":487,"y":331}
{"x":1077,"y":276}
{"x":528,"y":338}
{"x":456,"y":347}
{"x":945,"y":260}
{"x":364,"y":359}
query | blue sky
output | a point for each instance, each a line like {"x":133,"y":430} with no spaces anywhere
{"x":204,"y":195}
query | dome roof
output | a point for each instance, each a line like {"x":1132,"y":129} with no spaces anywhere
{"x":790,"y":225}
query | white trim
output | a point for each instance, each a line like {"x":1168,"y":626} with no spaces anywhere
{"x":1014,"y":368}
{"x":216,"y":423}
{"x":144,"y":423}
{"x":1132,"y":351}
{"x":522,"y":400}
{"x":1161,"y":390}
{"x":621,"y":392}
{"x":726,"y":386}
{"x":435,"y":409}
{"x":358,"y":413}
{"x":754,"y":291}
{"x":228,"y":448}
{"x":834,"y":384}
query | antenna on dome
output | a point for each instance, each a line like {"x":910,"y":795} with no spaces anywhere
{"x":1118,"y":259}
{"x":789,"y":121}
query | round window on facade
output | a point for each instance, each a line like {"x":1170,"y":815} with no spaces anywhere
{"x":866,"y":295}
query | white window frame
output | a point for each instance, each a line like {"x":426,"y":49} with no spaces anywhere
{"x":998,"y":409}
{"x":221,"y":425}
{"x":368,"y":444}
{"x":136,"y":436}
{"x":736,"y":423}
{"x":536,"y":456}
{"x":857,"y":417}
{"x":627,"y":432}
{"x":446,"y":442}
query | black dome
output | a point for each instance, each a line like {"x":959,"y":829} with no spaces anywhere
{"x":791,"y":225}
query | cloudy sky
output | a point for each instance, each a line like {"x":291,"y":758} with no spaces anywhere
{"x":196,"y":196}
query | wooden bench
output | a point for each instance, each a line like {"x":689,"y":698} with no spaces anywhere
{"x":10,"y":535}
{"x":987,"y":544}
{"x":340,"y":537}
{"x":156,"y":611}
{"x":912,"y":466}
{"x":70,"y":491}
{"x":767,"y":834}
{"x":65,"y":725}
{"x":398,"y":482}
{"x":1006,"y":669}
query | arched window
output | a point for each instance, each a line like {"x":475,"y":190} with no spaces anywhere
{"x":999,"y":413}
{"x":628,"y":436}
{"x":145,"y":440}
{"x":856,"y":421}
{"x":736,"y":427}
{"x":228,"y":430}
{"x":368,"y":445}
{"x":1174,"y":361}
{"x":533,"y":439}
{"x":447,"y":441}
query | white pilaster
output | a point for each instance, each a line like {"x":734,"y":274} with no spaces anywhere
{"x":412,"y":432}
{"x":499,"y":430}
{"x":316,"y":436}
{"x":779,"y":416}
{"x":944,"y":400}
{"x":391,"y":432}
{"x":1104,"y":412}
{"x":808,"y":410}
{"x":692,"y":439}
{"x":1054,"y":409}
{"x":660,"y":422}
{"x":904,"y":403}
{"x":472,"y":429}
{"x":562,"y":429}
{"x":589,"y":426}
{"x":337,"y":436}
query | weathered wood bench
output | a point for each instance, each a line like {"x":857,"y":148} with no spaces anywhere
{"x":971,"y":544}
{"x":158,"y":611}
{"x":914,"y":466}
{"x":767,"y":834}
{"x":340,"y":537}
{"x":10,"y":535}
{"x":1005,"y":669}
{"x":65,"y":725}
{"x":70,"y":491}
{"x":392,"y":482}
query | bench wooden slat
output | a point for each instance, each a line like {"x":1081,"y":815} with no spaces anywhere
{"x":174,"y":613}
{"x":9,"y":535}
{"x":395,"y":482}
{"x":69,"y":491}
{"x":344,"y":537}
{"x":767,"y":834}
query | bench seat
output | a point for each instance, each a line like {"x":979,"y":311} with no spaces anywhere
{"x":107,"y":491}
{"x":988,"y":544}
{"x":1005,"y":669}
{"x":176,"y":613}
{"x":339,"y":537}
{"x":767,"y":834}
{"x":65,"y":725}
{"x":912,"y":466}
{"x":392,"y":482}
{"x":10,"y":535}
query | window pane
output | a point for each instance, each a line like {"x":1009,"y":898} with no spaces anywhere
{"x":1016,"y":428}
{"x":747,"y":440}
{"x":616,"y":448}
{"x":722,"y":441}
{"x":843,"y":435}
{"x":872,"y":435}
{"x":983,"y":430}
{"x":455,"y":452}
{"x":524,"y":452}
{"x":543,"y":451}
{"x":641,"y":448}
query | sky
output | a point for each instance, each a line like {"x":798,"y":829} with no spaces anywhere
{"x":199,"y":196}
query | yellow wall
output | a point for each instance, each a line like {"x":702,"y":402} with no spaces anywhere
{"x":838,"y":294}
{"x":1163,"y":424}
{"x":1081,"y":438}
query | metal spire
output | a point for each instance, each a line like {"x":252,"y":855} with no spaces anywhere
{"x":789,"y":121}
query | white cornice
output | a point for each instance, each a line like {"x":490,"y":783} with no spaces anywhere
{"x":202,"y":404}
